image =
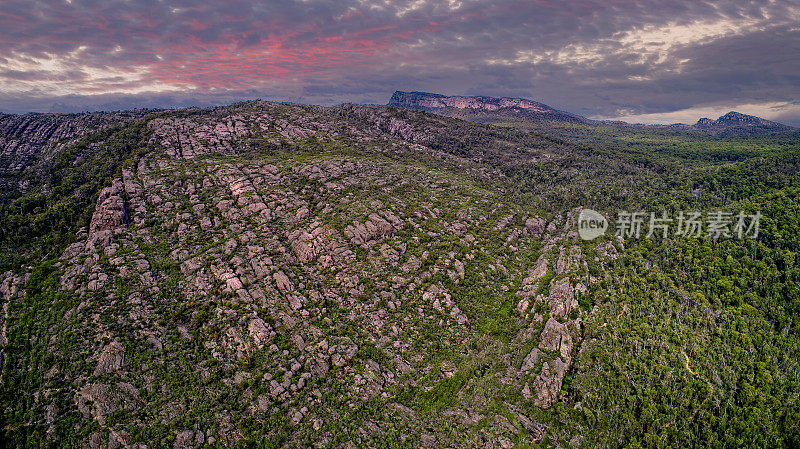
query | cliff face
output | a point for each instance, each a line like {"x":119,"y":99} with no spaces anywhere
{"x":417,"y":100}
{"x":484,"y":106}
{"x":423,"y":100}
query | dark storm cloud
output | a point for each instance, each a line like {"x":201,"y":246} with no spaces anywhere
{"x":590,"y":57}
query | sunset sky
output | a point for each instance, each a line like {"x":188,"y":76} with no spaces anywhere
{"x":646,"y":61}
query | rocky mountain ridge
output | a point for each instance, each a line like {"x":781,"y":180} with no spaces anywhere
{"x":434,"y":101}
{"x":483,"y":109}
{"x":735,"y":123}
{"x":480,"y":106}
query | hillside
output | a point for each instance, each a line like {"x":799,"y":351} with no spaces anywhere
{"x":277,"y":275}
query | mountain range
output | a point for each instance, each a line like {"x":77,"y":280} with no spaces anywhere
{"x":484,"y":109}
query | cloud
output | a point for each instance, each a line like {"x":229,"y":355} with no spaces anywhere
{"x":787,"y":113}
{"x":593,"y":57}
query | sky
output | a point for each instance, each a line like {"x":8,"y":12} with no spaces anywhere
{"x":662,"y":61}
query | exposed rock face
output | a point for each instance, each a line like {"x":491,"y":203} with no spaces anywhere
{"x":536,"y":226}
{"x":513,"y":106}
{"x":186,"y":138}
{"x":556,"y":337}
{"x":318,"y":242}
{"x":374,"y":229}
{"x":111,"y":359}
{"x":561,"y":299}
{"x":189,"y":439}
{"x":111,"y":212}
{"x":260,"y":331}
{"x":542,"y":369}
{"x":531,"y":361}
{"x":568,"y":261}
{"x":548,"y":383}
{"x":435,"y":101}
{"x":99,"y":401}
{"x":704,"y":123}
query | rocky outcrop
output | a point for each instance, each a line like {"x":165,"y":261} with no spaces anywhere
{"x":556,"y":337}
{"x":561,"y":299}
{"x":547,"y":384}
{"x":737,"y":124}
{"x":111,"y":359}
{"x":536,"y":226}
{"x":100,"y":401}
{"x":374,"y":229}
{"x":187,"y":138}
{"x":111,"y":212}
{"x":319,"y":243}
